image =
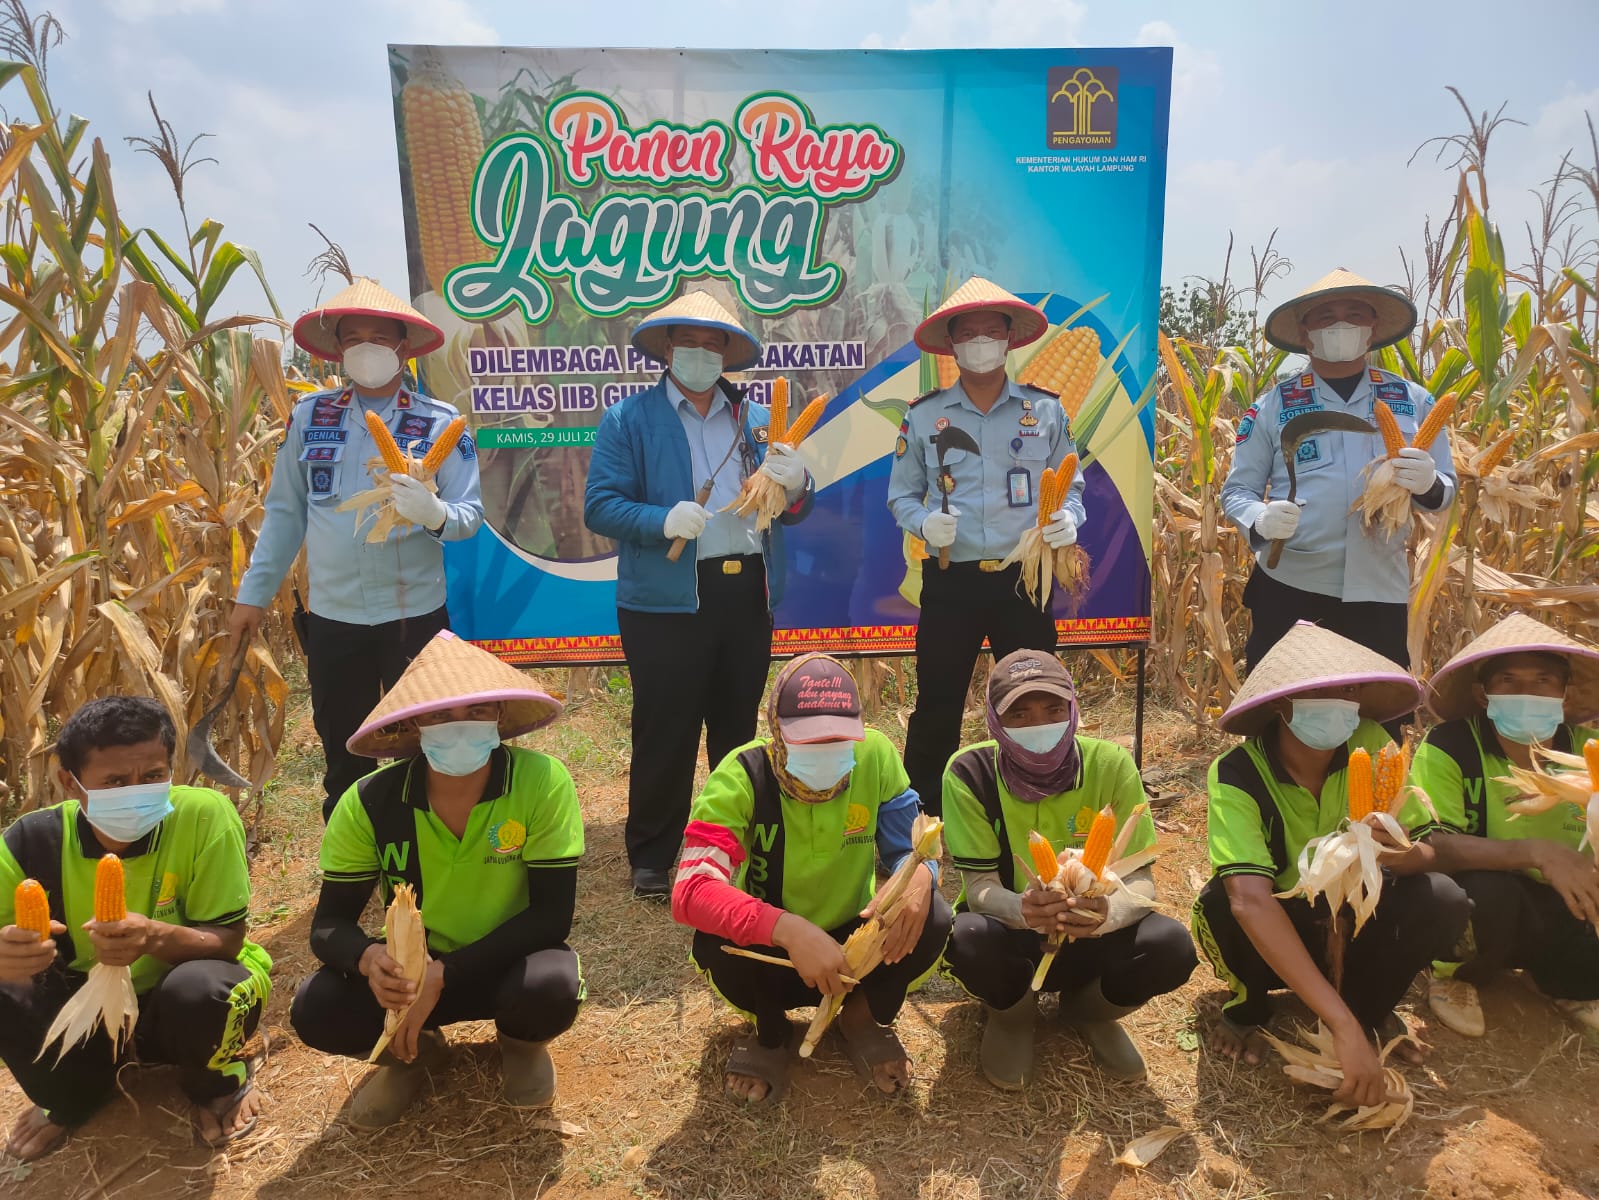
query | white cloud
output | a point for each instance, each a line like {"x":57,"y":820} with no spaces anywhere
{"x":437,"y":22}
{"x":974,"y":23}
{"x":1196,"y":73}
{"x":1563,"y":124}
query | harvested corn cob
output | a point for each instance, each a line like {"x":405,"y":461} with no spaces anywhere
{"x":1319,"y":1066}
{"x":1435,"y":422}
{"x":1361,"y":782}
{"x":407,"y":944}
{"x":443,"y":143}
{"x":1044,"y":861}
{"x":1389,"y":428}
{"x":760,"y":493}
{"x":1542,"y":789}
{"x":387,"y":448}
{"x":779,"y":422}
{"x":32,"y":908}
{"x":440,"y":450}
{"x":383,"y":518}
{"x":1096,"y":847}
{"x":107,"y":996}
{"x":1042,"y":565}
{"x":1065,"y":365}
{"x":1393,"y":764}
{"x":1383,"y":502}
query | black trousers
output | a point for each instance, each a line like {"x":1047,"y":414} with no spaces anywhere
{"x":1419,"y":918}
{"x":691,"y":670}
{"x":534,"y":999}
{"x":767,"y":992}
{"x":960,"y":607}
{"x":1519,"y":922}
{"x":349,"y":668}
{"x":995,"y":963}
{"x":1274,"y":607}
{"x":199,"y":1008}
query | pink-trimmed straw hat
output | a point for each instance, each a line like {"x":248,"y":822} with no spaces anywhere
{"x":1310,"y":657}
{"x":316,"y":332}
{"x":450,"y":672}
{"x":1450,"y":693}
{"x":1027,"y":321}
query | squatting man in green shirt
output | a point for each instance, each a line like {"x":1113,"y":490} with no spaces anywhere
{"x":1039,"y":773}
{"x":1311,"y":700}
{"x":201,"y":984}
{"x":489,"y":836}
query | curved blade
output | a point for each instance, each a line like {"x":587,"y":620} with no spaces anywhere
{"x":201,"y":752}
{"x":953,"y":438}
{"x":1296,"y":431}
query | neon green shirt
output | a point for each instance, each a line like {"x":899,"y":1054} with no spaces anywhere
{"x":473,"y":884}
{"x":1109,"y":777}
{"x":1259,"y":819}
{"x":189,"y":870}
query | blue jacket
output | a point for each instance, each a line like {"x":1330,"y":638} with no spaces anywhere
{"x":639,"y":470}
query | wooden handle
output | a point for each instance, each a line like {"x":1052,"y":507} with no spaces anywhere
{"x":675,"y":552}
{"x":943,"y":558}
{"x":1277,"y":545}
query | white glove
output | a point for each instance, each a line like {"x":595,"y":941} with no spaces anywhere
{"x":686,"y":520}
{"x":1061,"y":531}
{"x":784,"y":467}
{"x":938,"y":528}
{"x":1415,"y":471}
{"x":1278,"y":522}
{"x":414,"y":502}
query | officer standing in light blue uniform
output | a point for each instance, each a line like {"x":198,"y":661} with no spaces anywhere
{"x":1334,"y":572}
{"x":373,"y":606}
{"x":993,"y":499}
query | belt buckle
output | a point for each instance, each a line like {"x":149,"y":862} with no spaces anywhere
{"x":732,"y":566}
{"x":989,"y":565}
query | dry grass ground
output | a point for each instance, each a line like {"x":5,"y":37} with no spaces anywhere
{"x":640,"y":1074}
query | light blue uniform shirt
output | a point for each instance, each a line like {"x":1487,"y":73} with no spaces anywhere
{"x":323,"y":462}
{"x":708,"y":439}
{"x":1025,"y":431}
{"x":1331,"y":553}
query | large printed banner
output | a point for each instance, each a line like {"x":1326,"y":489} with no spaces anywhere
{"x":553,"y":198}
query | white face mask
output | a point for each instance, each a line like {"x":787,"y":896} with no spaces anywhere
{"x":1340,"y":343}
{"x":126,"y":814}
{"x":696,"y":368}
{"x":1039,"y":739}
{"x":982,"y":354}
{"x":371,"y":365}
{"x":819,"y":765}
{"x":1324,"y":724}
{"x":460,"y":747}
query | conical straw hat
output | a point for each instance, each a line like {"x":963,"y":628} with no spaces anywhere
{"x":317,"y":330}
{"x":653,"y":335}
{"x":450,"y":672}
{"x":1027,"y":321}
{"x":1450,"y":693}
{"x":1310,"y":657}
{"x":1396,"y":315}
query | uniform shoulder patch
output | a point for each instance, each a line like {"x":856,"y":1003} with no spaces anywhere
{"x":925,"y":395}
{"x":1033,"y":387}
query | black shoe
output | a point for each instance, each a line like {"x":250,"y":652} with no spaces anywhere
{"x":651,"y":884}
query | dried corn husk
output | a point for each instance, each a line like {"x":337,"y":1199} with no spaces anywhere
{"x":761,"y":495}
{"x":1043,"y":567}
{"x":1318,"y":1066}
{"x":1142,"y":1151}
{"x":1541,"y":790}
{"x":107,"y":996}
{"x":376,"y":504}
{"x":407,"y":945}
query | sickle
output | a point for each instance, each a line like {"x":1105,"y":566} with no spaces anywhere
{"x":201,"y":752}
{"x":946,"y":439}
{"x":1296,"y":431}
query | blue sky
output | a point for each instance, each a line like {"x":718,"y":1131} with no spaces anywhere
{"x":1296,"y":117}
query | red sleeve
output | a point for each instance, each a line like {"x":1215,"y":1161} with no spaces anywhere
{"x":704,"y":896}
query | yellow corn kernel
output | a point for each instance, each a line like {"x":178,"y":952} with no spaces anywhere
{"x":800,"y":429}
{"x":948,"y":369}
{"x":1096,"y":849}
{"x":1590,"y":754}
{"x":32,"y":908}
{"x":1392,"y":765}
{"x":443,"y":143}
{"x":110,"y":904}
{"x":392,"y":458}
{"x":1045,"y":863}
{"x":1046,"y":496}
{"x":441,"y":448}
{"x":1361,"y":784}
{"x":1389,"y":428}
{"x":779,"y":422}
{"x":1065,"y":475}
{"x":1065,"y":365}
{"x":1494,"y":455}
{"x":1435,"y":422}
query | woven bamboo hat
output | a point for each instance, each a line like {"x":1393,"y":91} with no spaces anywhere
{"x":1450,"y":693}
{"x":450,"y":672}
{"x":1310,"y":657}
{"x":317,"y":331}
{"x":1396,"y":315}
{"x":654,"y":334}
{"x":1027,"y":321}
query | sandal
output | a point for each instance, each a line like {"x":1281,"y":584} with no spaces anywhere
{"x":769,"y":1064}
{"x":220,"y":1109}
{"x":871,"y":1046}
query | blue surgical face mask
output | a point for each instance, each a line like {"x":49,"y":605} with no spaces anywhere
{"x":820,"y":765}
{"x":696,"y":368}
{"x":1039,"y":739}
{"x":1324,"y":724}
{"x":1527,"y":719}
{"x":126,"y":814}
{"x":459,"y":747}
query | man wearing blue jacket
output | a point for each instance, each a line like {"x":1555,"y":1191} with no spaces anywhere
{"x":697,"y":631}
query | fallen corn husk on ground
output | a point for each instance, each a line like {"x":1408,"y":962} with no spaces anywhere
{"x":407,"y":945}
{"x":1317,"y":1064}
{"x":383,"y":519}
{"x":1385,"y":503}
{"x":863,"y":949}
{"x":107,"y":996}
{"x":1577,"y":783}
{"x":1043,"y":567}
{"x":1095,"y":870}
{"x":760,"y":493}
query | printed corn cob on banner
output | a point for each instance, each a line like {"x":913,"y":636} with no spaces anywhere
{"x":553,"y":199}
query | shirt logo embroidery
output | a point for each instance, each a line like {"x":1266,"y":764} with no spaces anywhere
{"x":507,"y":837}
{"x":1246,"y":426}
{"x":856,"y":819}
{"x":414,"y":426}
{"x":1309,"y":452}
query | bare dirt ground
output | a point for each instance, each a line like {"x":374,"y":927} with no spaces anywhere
{"x":1509,"y":1116}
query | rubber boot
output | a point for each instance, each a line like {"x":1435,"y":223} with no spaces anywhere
{"x":529,"y":1072}
{"x":1007,"y":1053}
{"x":391,"y":1090}
{"x":1097,"y":1021}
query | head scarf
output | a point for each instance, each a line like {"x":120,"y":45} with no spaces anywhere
{"x":777,"y":749}
{"x":1033,"y":777}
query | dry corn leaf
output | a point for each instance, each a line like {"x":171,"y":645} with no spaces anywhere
{"x":556,"y":1125}
{"x":1142,"y":1151}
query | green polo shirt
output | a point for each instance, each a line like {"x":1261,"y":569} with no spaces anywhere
{"x":471,"y":885}
{"x":1259,"y":819}
{"x":977,"y":842}
{"x":1458,"y":765}
{"x":829,"y":851}
{"x":189,"y":870}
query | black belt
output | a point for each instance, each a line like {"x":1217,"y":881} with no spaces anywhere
{"x":732,"y":564}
